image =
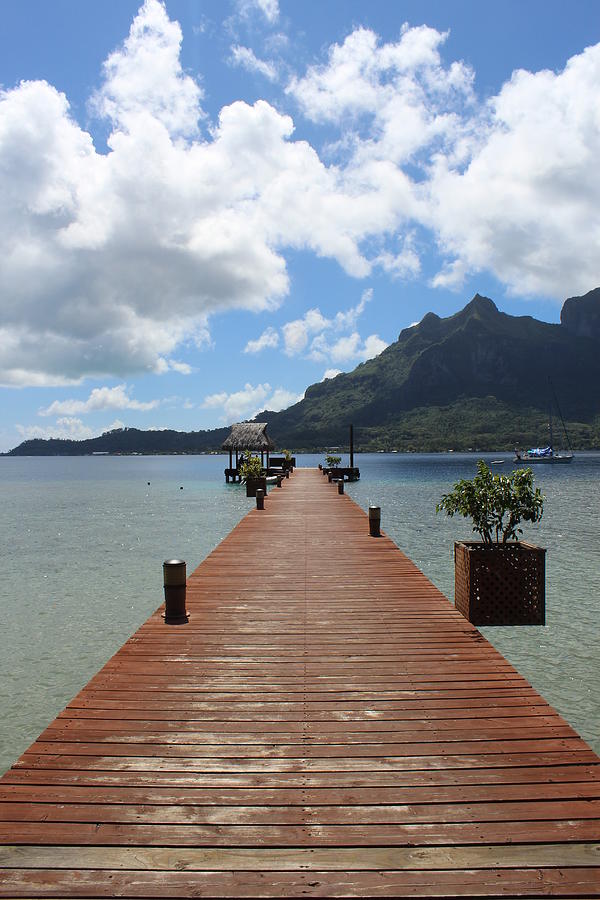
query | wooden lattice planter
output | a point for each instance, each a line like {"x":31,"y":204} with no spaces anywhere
{"x":504,"y":584}
{"x":253,"y":483}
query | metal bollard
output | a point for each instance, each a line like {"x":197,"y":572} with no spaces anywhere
{"x":287,"y":473}
{"x":279,"y":480}
{"x":374,"y":521}
{"x":260,"y":498}
{"x":341,"y":486}
{"x":174,"y":585}
{"x":329,"y":477}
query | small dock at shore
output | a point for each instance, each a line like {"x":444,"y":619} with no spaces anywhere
{"x":326,"y":724}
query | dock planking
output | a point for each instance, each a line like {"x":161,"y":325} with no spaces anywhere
{"x":326,"y":724}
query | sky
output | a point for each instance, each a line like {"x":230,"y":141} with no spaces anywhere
{"x":209,"y":206}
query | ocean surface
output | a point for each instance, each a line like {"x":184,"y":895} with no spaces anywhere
{"x":82,"y":543}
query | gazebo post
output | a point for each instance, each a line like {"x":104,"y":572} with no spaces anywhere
{"x":230,"y":458}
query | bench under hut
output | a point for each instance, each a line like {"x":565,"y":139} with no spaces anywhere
{"x":246,"y":437}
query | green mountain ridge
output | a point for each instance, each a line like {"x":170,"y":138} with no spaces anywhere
{"x":479,"y":379}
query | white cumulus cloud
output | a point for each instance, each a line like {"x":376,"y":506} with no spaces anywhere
{"x":247,"y":402}
{"x":281,"y":399}
{"x":99,"y":399}
{"x":144,"y":81}
{"x":508,"y":186}
{"x":297,"y":333}
{"x":269,"y":338}
{"x":347,"y":349}
{"x":66,"y":428}
{"x":239,"y":404}
{"x":314,"y":333}
{"x":526,"y":206}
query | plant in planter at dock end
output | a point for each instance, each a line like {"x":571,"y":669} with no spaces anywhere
{"x":333,"y":461}
{"x":500,"y":580}
{"x":251,"y":472}
{"x":251,"y":467}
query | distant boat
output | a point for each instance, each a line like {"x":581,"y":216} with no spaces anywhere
{"x":547,"y":454}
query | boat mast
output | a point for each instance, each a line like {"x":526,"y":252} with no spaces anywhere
{"x":566,"y":433}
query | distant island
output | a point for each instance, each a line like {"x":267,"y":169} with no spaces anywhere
{"x":477,"y":380}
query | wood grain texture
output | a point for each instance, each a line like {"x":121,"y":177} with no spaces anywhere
{"x":326,"y":725}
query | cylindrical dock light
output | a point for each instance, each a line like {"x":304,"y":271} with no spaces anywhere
{"x":279,"y":480}
{"x":329,"y":477}
{"x":260,"y":498}
{"x":374,"y":521}
{"x":341,"y":486}
{"x":287,"y":473}
{"x":174,"y":584}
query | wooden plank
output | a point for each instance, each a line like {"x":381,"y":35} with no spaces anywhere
{"x":245,"y":795}
{"x":554,"y":882}
{"x":482,"y":778}
{"x":305,"y":835}
{"x":498,"y":856}
{"x":300,"y":814}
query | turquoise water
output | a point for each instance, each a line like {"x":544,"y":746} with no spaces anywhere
{"x":82,"y":543}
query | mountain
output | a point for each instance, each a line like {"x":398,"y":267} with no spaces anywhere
{"x":478,"y":379}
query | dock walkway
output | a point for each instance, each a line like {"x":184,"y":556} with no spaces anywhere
{"x":326,"y":725}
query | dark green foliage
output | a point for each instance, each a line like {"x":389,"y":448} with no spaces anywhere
{"x":251,"y":467}
{"x":333,"y":461}
{"x":497,"y":504}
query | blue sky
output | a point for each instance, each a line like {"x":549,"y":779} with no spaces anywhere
{"x":208,"y":206}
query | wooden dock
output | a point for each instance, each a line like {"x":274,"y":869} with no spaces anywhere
{"x":326,"y":725}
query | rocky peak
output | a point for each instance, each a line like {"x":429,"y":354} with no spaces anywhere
{"x":481,"y":306}
{"x":580,"y":316}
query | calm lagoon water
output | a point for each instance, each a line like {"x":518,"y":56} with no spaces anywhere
{"x":82,"y":542}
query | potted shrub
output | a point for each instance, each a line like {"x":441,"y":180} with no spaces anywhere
{"x":251,"y":472}
{"x":498,"y":580}
{"x":288,"y":463}
{"x":332,"y":462}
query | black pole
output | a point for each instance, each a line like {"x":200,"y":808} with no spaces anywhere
{"x":352,"y":446}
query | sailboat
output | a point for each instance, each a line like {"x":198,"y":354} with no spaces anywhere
{"x":547,"y":454}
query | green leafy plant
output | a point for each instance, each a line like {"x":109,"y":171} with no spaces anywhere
{"x":333,"y":461}
{"x":497,"y":504}
{"x":251,"y":467}
{"x":287,"y":455}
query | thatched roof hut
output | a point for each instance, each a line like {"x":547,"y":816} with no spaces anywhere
{"x":246,"y":437}
{"x":249,"y":436}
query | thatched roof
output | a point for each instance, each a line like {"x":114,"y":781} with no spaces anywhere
{"x":249,"y":436}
